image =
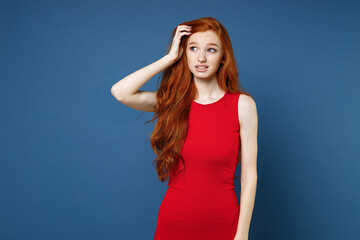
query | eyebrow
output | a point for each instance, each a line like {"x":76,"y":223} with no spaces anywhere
{"x":207,"y":44}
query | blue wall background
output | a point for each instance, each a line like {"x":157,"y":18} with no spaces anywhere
{"x":75,"y":163}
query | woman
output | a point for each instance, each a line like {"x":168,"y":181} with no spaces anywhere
{"x":204,"y":120}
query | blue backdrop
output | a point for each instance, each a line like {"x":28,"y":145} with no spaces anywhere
{"x":75,"y":163}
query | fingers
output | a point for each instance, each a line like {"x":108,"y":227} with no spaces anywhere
{"x":183,"y":29}
{"x":184,"y":26}
{"x":181,"y":33}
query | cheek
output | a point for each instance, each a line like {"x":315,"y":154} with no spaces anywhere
{"x":216,"y":60}
{"x":190,"y":59}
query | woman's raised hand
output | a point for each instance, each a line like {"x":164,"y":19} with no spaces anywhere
{"x":181,"y":30}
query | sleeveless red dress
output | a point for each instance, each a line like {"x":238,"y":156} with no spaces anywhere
{"x":200,"y":202}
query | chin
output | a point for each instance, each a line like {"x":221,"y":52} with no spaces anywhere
{"x":207,"y":76}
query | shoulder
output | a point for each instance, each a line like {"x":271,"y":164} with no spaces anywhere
{"x":247,"y":110}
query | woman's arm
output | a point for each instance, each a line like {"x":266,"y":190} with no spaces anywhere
{"x":248,"y":134}
{"x":127,"y":91}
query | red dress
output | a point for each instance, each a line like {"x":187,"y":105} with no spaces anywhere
{"x":200,"y":202}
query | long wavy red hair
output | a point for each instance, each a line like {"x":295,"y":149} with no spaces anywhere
{"x":176,"y":92}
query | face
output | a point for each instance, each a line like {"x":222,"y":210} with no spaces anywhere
{"x":204,"y":48}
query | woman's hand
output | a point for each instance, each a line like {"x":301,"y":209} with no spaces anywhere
{"x":175,"y":53}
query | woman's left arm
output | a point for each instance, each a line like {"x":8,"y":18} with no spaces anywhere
{"x":248,"y":138}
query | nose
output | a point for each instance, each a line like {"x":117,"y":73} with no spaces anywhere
{"x":201,"y":57}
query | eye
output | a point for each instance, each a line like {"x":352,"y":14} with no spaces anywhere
{"x":191,"y":48}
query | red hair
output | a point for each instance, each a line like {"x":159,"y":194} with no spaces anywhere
{"x":176,"y":92}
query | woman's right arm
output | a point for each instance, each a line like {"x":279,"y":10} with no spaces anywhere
{"x":127,"y":90}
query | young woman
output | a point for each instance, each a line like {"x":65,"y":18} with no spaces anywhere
{"x":205,"y":127}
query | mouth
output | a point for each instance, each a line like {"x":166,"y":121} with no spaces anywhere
{"x":201,"y":66}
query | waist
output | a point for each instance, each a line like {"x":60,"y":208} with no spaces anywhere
{"x":202,"y":185}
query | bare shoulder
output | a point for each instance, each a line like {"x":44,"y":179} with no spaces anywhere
{"x":247,"y":110}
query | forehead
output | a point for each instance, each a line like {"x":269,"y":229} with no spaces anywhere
{"x":204,"y":38}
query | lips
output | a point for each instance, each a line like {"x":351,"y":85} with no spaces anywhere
{"x":201,"y":66}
